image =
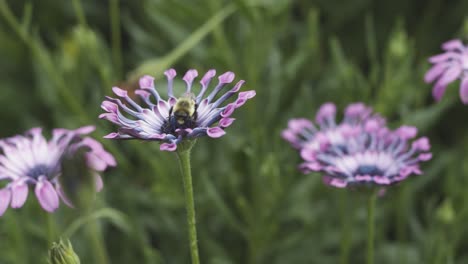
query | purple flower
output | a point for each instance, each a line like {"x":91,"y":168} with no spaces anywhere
{"x":31,"y":160}
{"x":173,"y":120}
{"x":360,"y":150}
{"x":449,"y":66}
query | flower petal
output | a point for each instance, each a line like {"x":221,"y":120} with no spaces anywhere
{"x":434,"y":72}
{"x":438,"y":91}
{"x":5,"y":197}
{"x":215,"y":132}
{"x":452,"y":44}
{"x":63,"y":196}
{"x":464,"y":90}
{"x":327,"y":110}
{"x":47,"y":196}
{"x":146,"y":82}
{"x":19,"y":194}
{"x":99,"y":183}
{"x":168,"y":146}
{"x":226,"y":77}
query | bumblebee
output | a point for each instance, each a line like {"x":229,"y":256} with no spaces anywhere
{"x":184,"y":113}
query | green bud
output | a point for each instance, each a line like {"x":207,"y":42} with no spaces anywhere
{"x":446,"y":213}
{"x":62,"y":253}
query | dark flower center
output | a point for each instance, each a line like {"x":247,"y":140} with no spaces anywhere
{"x":39,"y":170}
{"x":368,"y":170}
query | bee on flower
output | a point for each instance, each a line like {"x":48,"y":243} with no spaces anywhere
{"x":175,"y":119}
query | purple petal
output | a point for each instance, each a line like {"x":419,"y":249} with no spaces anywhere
{"x":365,"y":178}
{"x":207,"y":77}
{"x":440,"y":58}
{"x":170,"y":74}
{"x":99,"y":184}
{"x":109,"y":106}
{"x":168,"y":146}
{"x":147,"y":82}
{"x":356,"y":109}
{"x":422,"y":144}
{"x":19,"y":194}
{"x":307,"y":167}
{"x":434,"y":72}
{"x":189,"y":76}
{"x":425,"y":156}
{"x":464,"y":90}
{"x":247,"y":94}
{"x":95,"y":162}
{"x":226,"y":77}
{"x":371,"y":126}
{"x":406,"y":132}
{"x":308,"y":154}
{"x":289,"y":136}
{"x":381,"y":180}
{"x":84,"y":130}
{"x":450,"y":75}
{"x":226,"y":121}
{"x":438,"y":91}
{"x":338,"y":183}
{"x":112,"y":135}
{"x":5,"y":197}
{"x":47,"y":196}
{"x":327,"y":110}
{"x":119,"y":92}
{"x":215,"y":132}
{"x":228,"y":110}
{"x":237,"y":86}
{"x":63,"y":196}
{"x":453,"y":45}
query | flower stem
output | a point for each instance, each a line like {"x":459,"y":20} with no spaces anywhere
{"x":184,"y":161}
{"x":370,"y":226}
{"x":345,"y":228}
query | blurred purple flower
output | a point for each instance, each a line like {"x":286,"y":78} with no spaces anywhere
{"x":175,"y":119}
{"x":32,"y":160}
{"x":360,"y":150}
{"x":449,"y":66}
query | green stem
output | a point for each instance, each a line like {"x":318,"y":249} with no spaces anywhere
{"x":184,"y":161}
{"x":345,"y":229}
{"x":370,"y":226}
{"x":114,"y":10}
{"x":97,"y":244}
{"x":79,"y":12}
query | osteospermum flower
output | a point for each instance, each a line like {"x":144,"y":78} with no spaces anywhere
{"x":360,"y":150}
{"x":448,"y":67}
{"x":172,"y":120}
{"x":31,"y":160}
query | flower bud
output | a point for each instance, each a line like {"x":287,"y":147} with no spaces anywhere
{"x":62,"y":253}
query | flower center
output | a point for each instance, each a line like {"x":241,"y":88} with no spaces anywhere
{"x":368,"y":170}
{"x":39,"y":170}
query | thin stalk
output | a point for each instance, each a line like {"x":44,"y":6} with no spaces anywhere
{"x":184,"y":161}
{"x":370,"y":226}
{"x":51,"y":228}
{"x":114,"y":14}
{"x":79,"y":12}
{"x":97,"y":244}
{"x":345,"y":229}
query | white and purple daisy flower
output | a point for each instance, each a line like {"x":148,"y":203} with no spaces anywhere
{"x":31,"y":160}
{"x":172,"y":120}
{"x":448,"y":67}
{"x":360,"y":150}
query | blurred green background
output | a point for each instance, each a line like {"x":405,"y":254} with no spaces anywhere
{"x":60,"y":58}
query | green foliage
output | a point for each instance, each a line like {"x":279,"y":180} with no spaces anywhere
{"x":60,"y":58}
